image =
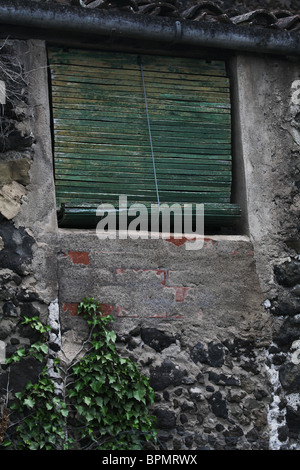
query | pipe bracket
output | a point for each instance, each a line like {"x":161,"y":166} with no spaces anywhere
{"x":177,"y":34}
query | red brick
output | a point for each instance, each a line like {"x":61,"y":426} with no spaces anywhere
{"x":158,"y":272}
{"x":79,"y":257}
{"x":177,"y":316}
{"x":71,"y":308}
{"x":179,"y":241}
{"x":159,"y":315}
{"x":106,"y":309}
{"x":180,"y":292}
{"x":119,"y":271}
{"x":208,"y":242}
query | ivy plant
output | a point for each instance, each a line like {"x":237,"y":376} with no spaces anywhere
{"x":104,"y":401}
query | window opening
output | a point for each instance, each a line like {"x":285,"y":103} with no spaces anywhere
{"x":106,"y":106}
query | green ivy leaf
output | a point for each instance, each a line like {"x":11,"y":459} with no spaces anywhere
{"x":139,"y":393}
{"x":29,"y":402}
{"x":99,"y":401}
{"x":39,"y":356}
{"x":80,"y":409}
{"x":21,"y":352}
{"x":108,"y":356}
{"x":87,"y":401}
{"x":78,"y":386}
{"x":33,"y":446}
{"x":89,"y":417}
{"x":44,"y":348}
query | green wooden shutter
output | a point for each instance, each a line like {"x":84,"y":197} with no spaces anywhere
{"x":101,"y":138}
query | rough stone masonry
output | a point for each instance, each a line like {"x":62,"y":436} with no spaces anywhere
{"x":215,"y":330}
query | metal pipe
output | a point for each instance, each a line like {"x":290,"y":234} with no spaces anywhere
{"x":98,"y":22}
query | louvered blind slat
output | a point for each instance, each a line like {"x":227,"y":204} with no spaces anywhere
{"x":101,"y":138}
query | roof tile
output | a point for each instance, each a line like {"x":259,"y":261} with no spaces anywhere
{"x":284,"y":16}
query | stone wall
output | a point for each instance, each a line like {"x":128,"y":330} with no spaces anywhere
{"x":193,"y":320}
{"x":216,"y":330}
{"x":27,"y":203}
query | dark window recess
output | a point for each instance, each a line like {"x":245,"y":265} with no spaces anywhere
{"x":107,"y":145}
